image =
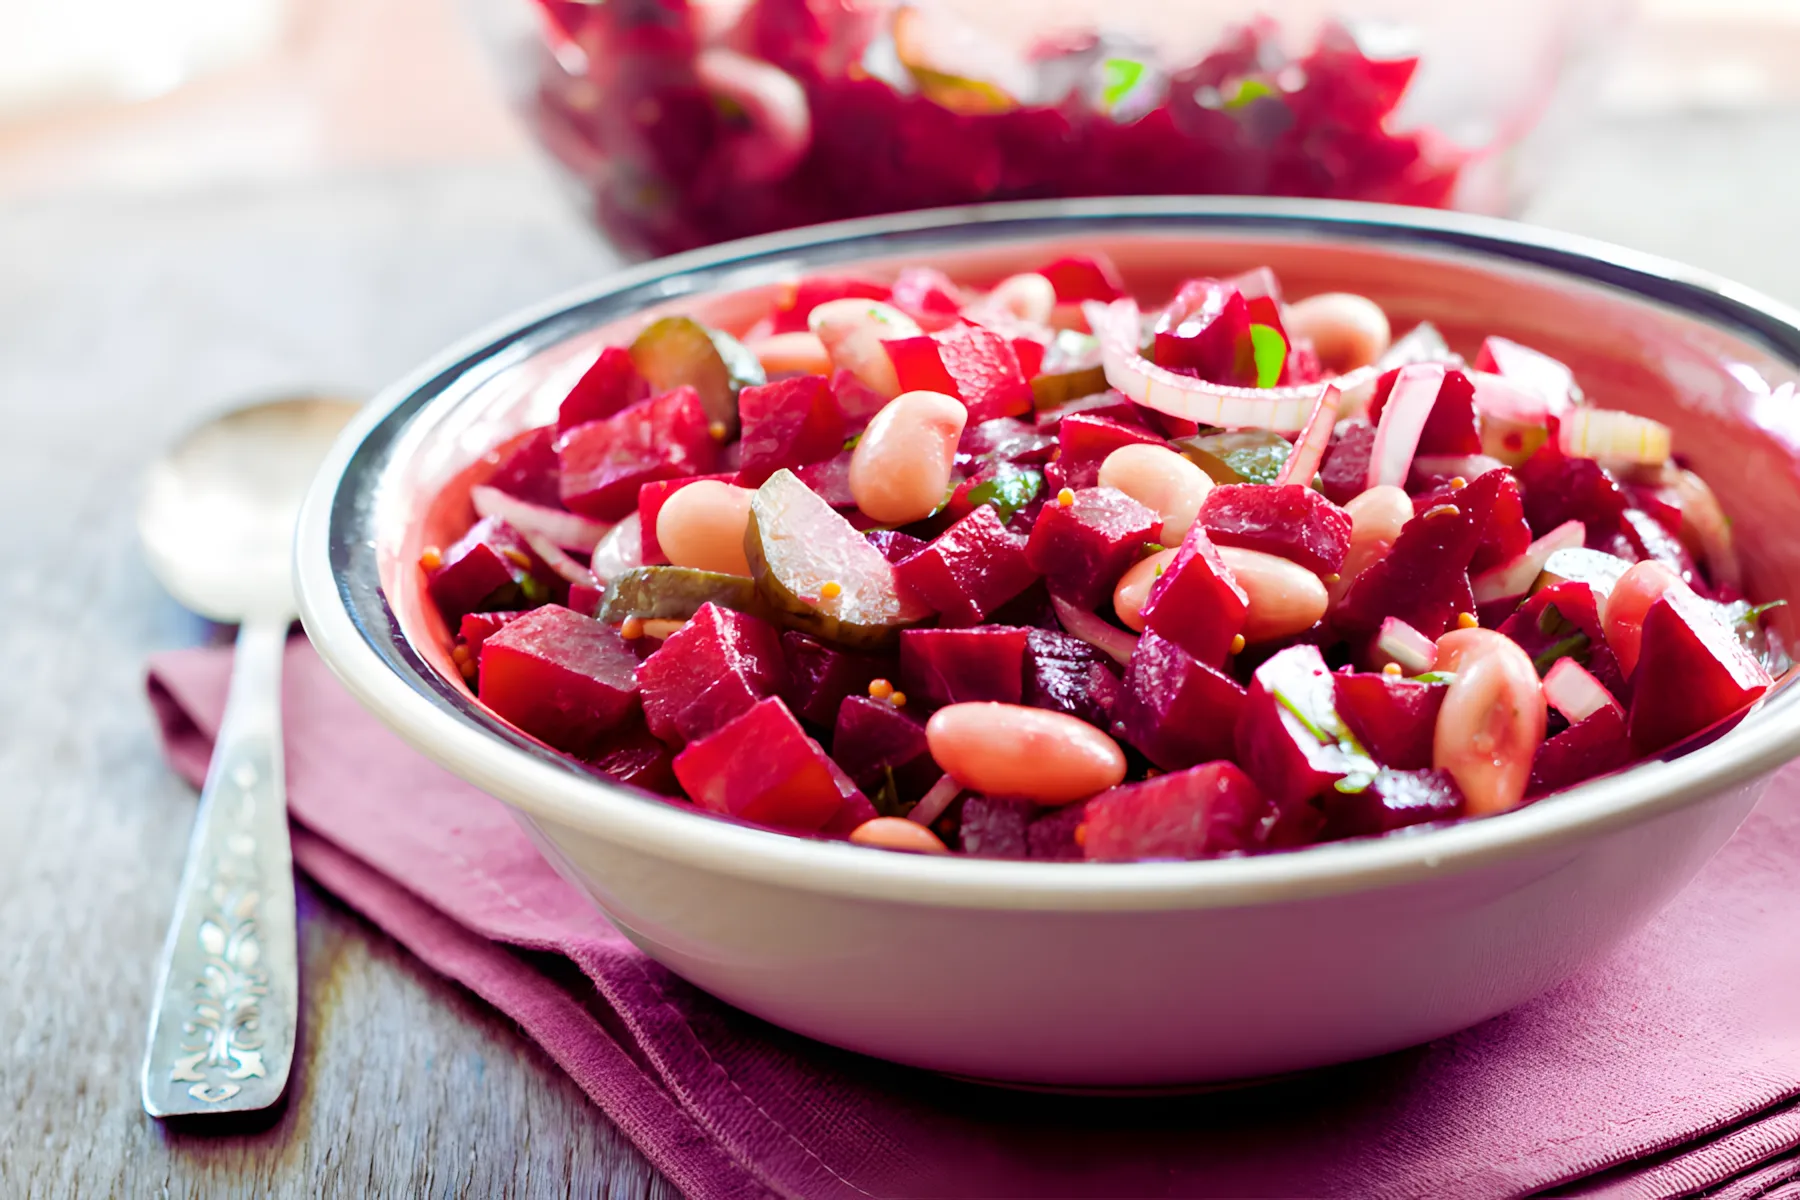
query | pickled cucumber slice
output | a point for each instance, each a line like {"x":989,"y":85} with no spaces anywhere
{"x":1238,"y":456}
{"x":677,"y":351}
{"x":818,"y":573}
{"x":676,"y":593}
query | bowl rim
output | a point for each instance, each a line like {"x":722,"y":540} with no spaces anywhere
{"x":345,"y":613}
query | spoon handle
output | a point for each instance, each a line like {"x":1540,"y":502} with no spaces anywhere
{"x":222,"y":1030}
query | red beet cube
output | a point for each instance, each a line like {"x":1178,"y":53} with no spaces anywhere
{"x":855,"y":810}
{"x":561,"y":677}
{"x":1196,"y":603}
{"x":1649,"y":539}
{"x":855,"y":399}
{"x":1177,"y":710}
{"x":1289,"y":520}
{"x":762,"y":767}
{"x":829,"y":480}
{"x":707,"y":672}
{"x":1109,"y":404}
{"x":1079,"y":277}
{"x":611,"y":385}
{"x":604,"y":463}
{"x":1394,"y":718}
{"x":1559,"y":489}
{"x":1082,"y":548}
{"x":1202,"y":812}
{"x":787,"y":423}
{"x":978,"y":366}
{"x":1288,"y":737}
{"x":632,"y":755}
{"x":491,"y":566}
{"x":528,"y":469}
{"x":1007,"y":439}
{"x":585,"y":598}
{"x":970,"y":569}
{"x":477,"y":628}
{"x":819,"y":677}
{"x":792,"y":309}
{"x":1086,"y":440}
{"x":895,"y":546}
{"x":1052,"y":835}
{"x":1345,"y":471}
{"x":1065,"y":674}
{"x":1394,"y":800}
{"x":927,"y":295}
{"x":1452,"y":427}
{"x":1563,"y":621}
{"x":1692,"y":671}
{"x":1205,"y":332}
{"x":1599,"y":743}
{"x":919,"y":366}
{"x":651,"y":498}
{"x":951,"y":666}
{"x":996,"y":828}
{"x":1543,"y":375}
{"x":873,"y":741}
{"x":1030,"y":354}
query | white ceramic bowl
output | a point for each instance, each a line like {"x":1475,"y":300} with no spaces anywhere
{"x":1074,"y":974}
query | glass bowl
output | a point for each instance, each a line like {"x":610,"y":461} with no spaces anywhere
{"x":686,"y":122}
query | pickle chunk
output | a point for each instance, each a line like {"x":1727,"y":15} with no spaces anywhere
{"x":1238,"y":456}
{"x":818,"y":573}
{"x":676,"y":593}
{"x":677,"y":351}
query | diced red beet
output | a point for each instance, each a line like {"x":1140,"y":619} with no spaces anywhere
{"x":650,"y":501}
{"x":1202,"y":812}
{"x":1545,"y":376}
{"x":610,"y":386}
{"x":1196,"y":603}
{"x":976,"y":365}
{"x":1452,"y":427}
{"x":604,"y":463}
{"x":1079,"y":277}
{"x":1007,"y":439}
{"x":489,"y":566}
{"x":1563,"y":620}
{"x":854,"y":811}
{"x":1086,"y":440}
{"x":927,"y":295}
{"x":995,"y":828}
{"x":561,"y":677}
{"x":918,"y":365}
{"x":895,"y":546}
{"x":1031,"y":357}
{"x":1287,"y":737}
{"x":951,"y":666}
{"x":1082,"y":548}
{"x":1065,"y":674}
{"x":1558,"y":489}
{"x":1424,"y":579}
{"x":632,"y":755}
{"x":1394,"y":800}
{"x":819,"y":677}
{"x":1345,"y":471}
{"x":1393,"y":717}
{"x":1205,"y":331}
{"x":1175,"y":709}
{"x":1692,"y":671}
{"x":790,"y":312}
{"x":707,"y":672}
{"x":529,"y":469}
{"x":1650,"y":540}
{"x":787,"y":423}
{"x":969,"y":570}
{"x":762,"y":767}
{"x":585,"y":598}
{"x":1590,"y":747}
{"x":1052,"y":835}
{"x":477,"y":628}
{"x":872,"y":740}
{"x":1289,"y":520}
{"x":1504,"y":532}
{"x":855,"y":399}
{"x":1109,"y":404}
{"x":829,"y":480}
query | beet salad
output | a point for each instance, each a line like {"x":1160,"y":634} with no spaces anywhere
{"x":1038,"y":572}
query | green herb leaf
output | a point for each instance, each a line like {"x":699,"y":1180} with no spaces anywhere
{"x":1574,"y":646}
{"x":1117,"y":77}
{"x":851,"y":441}
{"x":1008,"y":493}
{"x":887,"y":797}
{"x":1271,"y":351}
{"x":1436,"y":677}
{"x":1249,"y":91}
{"x":1754,"y":615}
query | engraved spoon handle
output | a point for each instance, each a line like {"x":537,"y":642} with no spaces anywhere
{"x":222,"y":1030}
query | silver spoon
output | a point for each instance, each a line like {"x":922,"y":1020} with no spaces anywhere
{"x":217,"y":523}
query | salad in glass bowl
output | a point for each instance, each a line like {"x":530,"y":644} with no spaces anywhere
{"x":1048,"y":570}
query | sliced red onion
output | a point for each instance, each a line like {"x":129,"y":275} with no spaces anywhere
{"x":1423,"y":343}
{"x":1509,"y":400}
{"x":565,"y":530}
{"x":1469,"y":466}
{"x":620,"y":550}
{"x":1309,"y":447}
{"x":1515,"y":576}
{"x":1110,"y":640}
{"x":932,"y":804}
{"x":1282,"y":409}
{"x":772,"y":100}
{"x":1572,"y":691}
{"x":1400,"y":643}
{"x":1403,"y":419}
{"x":557,"y":561}
{"x":1614,"y":436}
{"x":1700,"y":508}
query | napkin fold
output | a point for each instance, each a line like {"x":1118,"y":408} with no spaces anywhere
{"x":1671,"y":1068}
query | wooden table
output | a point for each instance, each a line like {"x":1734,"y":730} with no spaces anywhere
{"x":123,"y":319}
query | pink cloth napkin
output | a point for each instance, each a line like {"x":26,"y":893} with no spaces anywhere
{"x":1672,"y":1068}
